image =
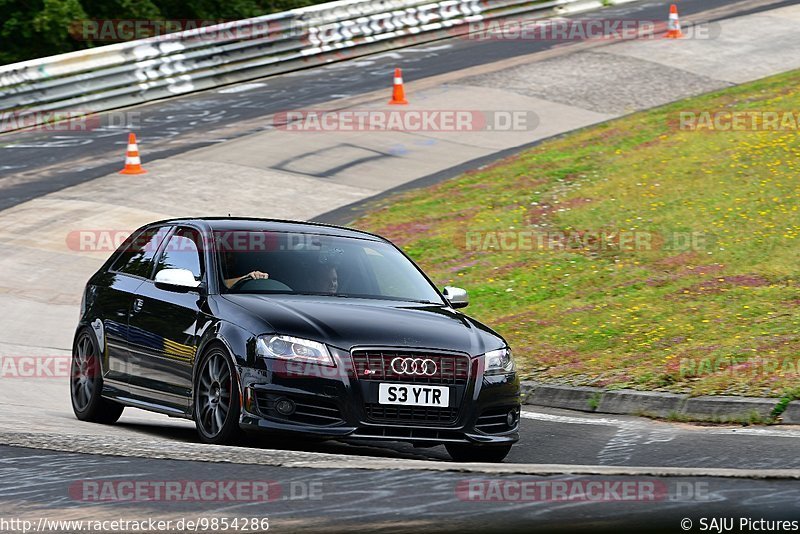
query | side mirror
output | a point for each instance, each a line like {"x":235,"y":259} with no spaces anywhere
{"x":456,"y":296}
{"x":176,"y":280}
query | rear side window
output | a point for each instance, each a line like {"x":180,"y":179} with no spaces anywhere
{"x":183,"y":252}
{"x":137,"y":259}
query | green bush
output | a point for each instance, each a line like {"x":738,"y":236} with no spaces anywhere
{"x":40,"y":28}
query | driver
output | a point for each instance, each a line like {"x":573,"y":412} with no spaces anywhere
{"x":252,"y":275}
{"x":328,"y":280}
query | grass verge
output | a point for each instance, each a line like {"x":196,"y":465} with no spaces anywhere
{"x":697,"y":293}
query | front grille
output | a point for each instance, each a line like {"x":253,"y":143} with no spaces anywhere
{"x":495,"y":421}
{"x":308,"y":410}
{"x":410,"y":414}
{"x":376,"y":365}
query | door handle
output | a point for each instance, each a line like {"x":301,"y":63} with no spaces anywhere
{"x":137,"y":305}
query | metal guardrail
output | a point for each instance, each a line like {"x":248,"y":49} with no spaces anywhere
{"x":133,"y":72}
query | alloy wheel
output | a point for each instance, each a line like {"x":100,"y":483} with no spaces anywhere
{"x":84,"y":366}
{"x":214,"y":394}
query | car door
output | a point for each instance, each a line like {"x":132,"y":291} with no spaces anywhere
{"x":114,"y":293}
{"x":163,"y":329}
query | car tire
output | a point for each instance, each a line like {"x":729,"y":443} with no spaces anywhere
{"x":478,"y":453}
{"x":216,"y":401}
{"x":86,"y":383}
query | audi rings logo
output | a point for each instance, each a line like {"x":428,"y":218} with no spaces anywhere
{"x":414,"y":366}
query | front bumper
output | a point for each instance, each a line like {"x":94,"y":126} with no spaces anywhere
{"x":334,"y":403}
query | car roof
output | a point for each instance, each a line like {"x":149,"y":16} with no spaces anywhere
{"x":271,"y":225}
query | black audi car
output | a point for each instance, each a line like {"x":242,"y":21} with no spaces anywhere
{"x":289,"y":327}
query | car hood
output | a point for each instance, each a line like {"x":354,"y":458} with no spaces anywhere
{"x":347,"y":322}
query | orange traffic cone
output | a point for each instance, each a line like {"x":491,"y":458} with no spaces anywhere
{"x":398,"y":93}
{"x":674,"y":24}
{"x":133,"y":165}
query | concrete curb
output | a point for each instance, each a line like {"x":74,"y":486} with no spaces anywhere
{"x":718,"y":409}
{"x":792,"y":414}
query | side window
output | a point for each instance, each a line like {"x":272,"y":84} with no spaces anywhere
{"x":137,"y":259}
{"x":183,"y":252}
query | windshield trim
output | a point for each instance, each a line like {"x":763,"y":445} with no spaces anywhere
{"x":336,"y":295}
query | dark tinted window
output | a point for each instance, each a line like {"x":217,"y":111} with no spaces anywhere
{"x":138,"y":257}
{"x":182,"y":252}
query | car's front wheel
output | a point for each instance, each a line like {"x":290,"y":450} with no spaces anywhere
{"x":86,"y":383}
{"x":478,"y":453}
{"x":216,"y":399}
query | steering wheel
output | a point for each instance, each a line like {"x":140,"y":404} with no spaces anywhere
{"x":267,"y":283}
{"x":241,"y":282}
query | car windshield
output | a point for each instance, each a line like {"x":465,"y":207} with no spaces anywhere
{"x":309,"y":264}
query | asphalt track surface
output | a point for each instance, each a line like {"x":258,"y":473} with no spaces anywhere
{"x":52,"y":485}
{"x":401,"y":498}
{"x":34,"y":163}
{"x":57,"y":485}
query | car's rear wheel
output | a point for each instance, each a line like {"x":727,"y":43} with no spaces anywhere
{"x":478,"y":453}
{"x":86,"y":383}
{"x":216,"y":400}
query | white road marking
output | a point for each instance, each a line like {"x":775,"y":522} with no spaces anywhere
{"x":571,"y":420}
{"x":241,"y":88}
{"x":432,"y":48}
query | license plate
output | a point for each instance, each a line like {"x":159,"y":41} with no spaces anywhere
{"x":411,"y":395}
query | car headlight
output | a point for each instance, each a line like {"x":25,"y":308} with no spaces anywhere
{"x":294,"y":349}
{"x":499,"y":362}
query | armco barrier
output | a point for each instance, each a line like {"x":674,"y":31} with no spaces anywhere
{"x":133,"y":72}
